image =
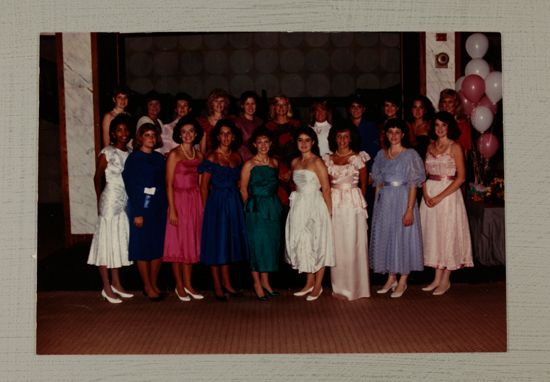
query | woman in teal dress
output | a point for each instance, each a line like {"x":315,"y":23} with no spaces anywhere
{"x":262,"y":210}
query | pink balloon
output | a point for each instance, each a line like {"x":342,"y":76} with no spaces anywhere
{"x":485,"y":101}
{"x":473,"y":87}
{"x":467,"y":105}
{"x":487,"y":144}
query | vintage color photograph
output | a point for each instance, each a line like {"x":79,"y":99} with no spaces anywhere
{"x":271,"y":193}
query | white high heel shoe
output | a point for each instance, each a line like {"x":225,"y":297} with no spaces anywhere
{"x":398,"y":294}
{"x":303,"y":293}
{"x":184,"y":299}
{"x":313,"y":298}
{"x":196,"y":296}
{"x":386,"y":290}
{"x":110,"y":299}
{"x":441,"y":292}
{"x":122,"y":294}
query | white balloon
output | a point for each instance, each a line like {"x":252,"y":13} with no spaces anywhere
{"x":493,"y":86}
{"x":477,"y":66}
{"x":477,"y":45}
{"x":481,"y":118}
{"x":458,"y":83}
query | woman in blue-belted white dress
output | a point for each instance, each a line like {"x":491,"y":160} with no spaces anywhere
{"x":396,"y":236}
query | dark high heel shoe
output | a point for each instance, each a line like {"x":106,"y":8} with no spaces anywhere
{"x":157,"y":298}
{"x":236,"y":293}
{"x":273,"y":293}
{"x":221,"y":298}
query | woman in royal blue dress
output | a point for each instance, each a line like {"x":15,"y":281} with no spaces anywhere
{"x":396,"y":238}
{"x":144,"y":180}
{"x":224,"y":239}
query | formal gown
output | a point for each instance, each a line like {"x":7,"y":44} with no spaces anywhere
{"x":144,"y":179}
{"x":285,"y":150}
{"x":263,"y":213}
{"x":110,"y":242}
{"x":308,"y":229}
{"x":395,"y":248}
{"x":445,"y":229}
{"x":350,"y":275}
{"x":224,"y":239}
{"x":247,"y":127}
{"x":182,"y":241}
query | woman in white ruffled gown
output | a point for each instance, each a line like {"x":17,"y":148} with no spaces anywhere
{"x":348,"y":177}
{"x":308,"y":230}
{"x":109,"y":249}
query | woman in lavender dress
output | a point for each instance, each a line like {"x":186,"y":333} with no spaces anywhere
{"x":396,"y":239}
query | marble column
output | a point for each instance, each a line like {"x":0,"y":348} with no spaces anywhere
{"x":439,"y":78}
{"x":79,"y":120}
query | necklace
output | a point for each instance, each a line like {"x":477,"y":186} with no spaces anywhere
{"x":261,"y":161}
{"x":224,"y":155}
{"x":191,"y":157}
{"x":441,"y":146}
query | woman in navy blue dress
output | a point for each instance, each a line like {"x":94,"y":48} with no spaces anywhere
{"x":144,"y":180}
{"x":224,"y":239}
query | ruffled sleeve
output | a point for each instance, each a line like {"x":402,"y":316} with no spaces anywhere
{"x":107,"y":151}
{"x":416,"y":174}
{"x":376,"y":171}
{"x":328,"y":162}
{"x":205,"y":166}
{"x":359,"y":161}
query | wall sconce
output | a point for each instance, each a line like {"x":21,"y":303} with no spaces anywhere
{"x":441,"y":60}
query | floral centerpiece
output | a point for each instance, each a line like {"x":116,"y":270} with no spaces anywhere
{"x":493,"y":193}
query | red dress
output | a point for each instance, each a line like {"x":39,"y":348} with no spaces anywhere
{"x":284,"y":149}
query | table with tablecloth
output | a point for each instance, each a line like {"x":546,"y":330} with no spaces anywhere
{"x":487,"y":230}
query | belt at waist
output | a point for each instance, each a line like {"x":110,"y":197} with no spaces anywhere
{"x":440,"y":177}
{"x":343,"y":186}
{"x":394,"y":184}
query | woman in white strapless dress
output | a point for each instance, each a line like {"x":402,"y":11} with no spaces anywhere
{"x":308,"y":230}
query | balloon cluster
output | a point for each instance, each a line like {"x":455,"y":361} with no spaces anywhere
{"x":480,"y":89}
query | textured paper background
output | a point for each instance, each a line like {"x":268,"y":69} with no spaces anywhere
{"x":526,"y":68}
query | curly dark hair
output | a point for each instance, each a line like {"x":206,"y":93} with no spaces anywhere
{"x":121,"y":119}
{"x":429,"y":109}
{"x":339,"y":127}
{"x":237,"y":135}
{"x":453,"y":132}
{"x":187,"y":120}
{"x":260,"y":131}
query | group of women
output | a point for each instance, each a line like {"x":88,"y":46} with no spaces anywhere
{"x":213,"y":199}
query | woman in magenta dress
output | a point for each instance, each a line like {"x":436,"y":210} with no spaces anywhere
{"x":348,"y":171}
{"x":445,"y":231}
{"x":185,"y":209}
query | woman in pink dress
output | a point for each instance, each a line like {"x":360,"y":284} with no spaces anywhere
{"x":348,"y":179}
{"x":445,"y":231}
{"x":185,"y":209}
